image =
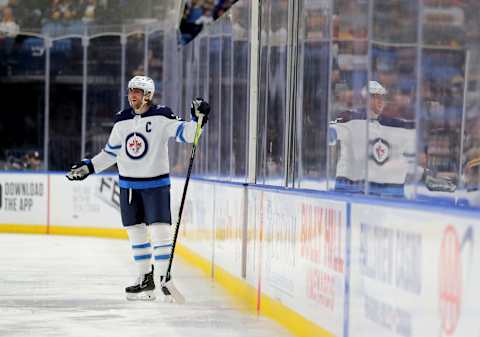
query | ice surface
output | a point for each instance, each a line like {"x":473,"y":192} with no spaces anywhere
{"x":74,"y":286}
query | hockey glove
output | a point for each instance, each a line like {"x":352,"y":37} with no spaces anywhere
{"x":200,"y":107}
{"x":436,"y":183}
{"x":81,"y":170}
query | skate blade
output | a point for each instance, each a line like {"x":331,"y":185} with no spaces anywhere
{"x":143,"y":296}
{"x":171,"y":293}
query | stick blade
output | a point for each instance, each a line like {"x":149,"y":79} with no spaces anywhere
{"x":169,"y":289}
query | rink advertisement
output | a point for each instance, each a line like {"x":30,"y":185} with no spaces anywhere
{"x":93,"y":202}
{"x":413,"y":273}
{"x":229,"y":222}
{"x":196,"y":229}
{"x":23,"y":199}
{"x":303,"y":246}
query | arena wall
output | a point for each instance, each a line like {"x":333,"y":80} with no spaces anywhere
{"x":320,"y":264}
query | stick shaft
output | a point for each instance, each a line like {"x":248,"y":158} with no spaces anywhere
{"x":198,"y":132}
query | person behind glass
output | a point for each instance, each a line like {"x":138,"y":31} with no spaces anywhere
{"x":391,"y":147}
{"x":138,"y":144}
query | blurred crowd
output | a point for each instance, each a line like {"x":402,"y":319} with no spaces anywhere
{"x":69,"y":16}
{"x":30,"y":14}
{"x":22,"y":160}
{"x":199,"y":12}
{"x":47,"y":15}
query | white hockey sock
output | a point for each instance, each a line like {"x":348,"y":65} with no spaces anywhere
{"x":162,"y":246}
{"x":141,"y":247}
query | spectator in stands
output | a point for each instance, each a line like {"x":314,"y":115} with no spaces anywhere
{"x":61,"y":10}
{"x":200,"y":12}
{"x":88,"y":11}
{"x":207,"y":13}
{"x":32,"y":161}
{"x":221,"y":7}
{"x":8,"y":27}
{"x":3,"y":4}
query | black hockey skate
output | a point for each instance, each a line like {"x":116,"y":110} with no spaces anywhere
{"x":143,"y":290}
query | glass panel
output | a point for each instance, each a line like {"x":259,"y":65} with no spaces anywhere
{"x":262,"y":94}
{"x":468,"y":193}
{"x":312,"y":100}
{"x":240,"y":14}
{"x":348,"y":128}
{"x":135,"y":60}
{"x":197,"y":92}
{"x":391,"y":100}
{"x":274,"y":64}
{"x":103,"y":90}
{"x":188,"y":84}
{"x":65,"y":103}
{"x":202,"y":46}
{"x":172,"y":96}
{"x":213,"y":126}
{"x":22,"y":74}
{"x":155,"y":62}
{"x":225,"y":112}
{"x":449,"y":114}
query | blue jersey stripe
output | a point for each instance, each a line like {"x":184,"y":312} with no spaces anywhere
{"x":144,"y":184}
{"x":114,"y":147}
{"x":142,"y":257}
{"x":143,"y":245}
{"x":110,"y":153}
{"x":163,"y":246}
{"x":162,"y":257}
{"x":180,"y":129}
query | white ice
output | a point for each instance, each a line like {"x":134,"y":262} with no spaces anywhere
{"x":74,"y":286}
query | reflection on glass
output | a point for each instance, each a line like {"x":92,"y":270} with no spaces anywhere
{"x":348,"y":75}
{"x":390,"y":146}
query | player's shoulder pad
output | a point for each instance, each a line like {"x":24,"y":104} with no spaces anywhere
{"x":123,"y":115}
{"x":162,"y":110}
{"x":397,"y":122}
{"x":349,"y":115}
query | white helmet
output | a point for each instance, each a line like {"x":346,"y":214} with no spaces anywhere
{"x":374,"y":88}
{"x":144,"y":83}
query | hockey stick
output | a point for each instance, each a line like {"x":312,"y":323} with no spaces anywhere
{"x":168,"y":288}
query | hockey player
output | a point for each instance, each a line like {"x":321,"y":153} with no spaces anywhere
{"x":391,"y":147}
{"x":138,"y":144}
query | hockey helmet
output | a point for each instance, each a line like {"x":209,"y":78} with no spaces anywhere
{"x":144,"y":83}
{"x":374,"y":88}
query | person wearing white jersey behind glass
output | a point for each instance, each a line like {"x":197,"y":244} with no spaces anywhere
{"x":391,"y":147}
{"x":138,"y":144}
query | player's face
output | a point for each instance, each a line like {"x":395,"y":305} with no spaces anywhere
{"x":377,"y":103}
{"x":135,"y":98}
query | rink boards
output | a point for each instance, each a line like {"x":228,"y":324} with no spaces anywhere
{"x":320,"y":264}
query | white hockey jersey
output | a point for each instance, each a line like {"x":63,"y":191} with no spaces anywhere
{"x":391,"y":149}
{"x":138,"y":144}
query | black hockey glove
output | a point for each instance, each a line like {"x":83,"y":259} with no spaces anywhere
{"x":436,"y":183}
{"x":81,"y":170}
{"x":200,"y":107}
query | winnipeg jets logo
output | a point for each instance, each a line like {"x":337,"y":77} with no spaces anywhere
{"x":380,"y":151}
{"x":136,"y":145}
